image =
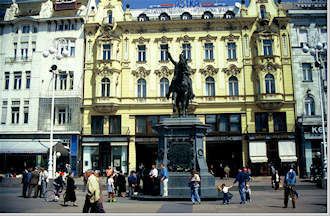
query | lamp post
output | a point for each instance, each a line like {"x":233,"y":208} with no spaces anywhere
{"x":53,"y":69}
{"x":318,"y":53}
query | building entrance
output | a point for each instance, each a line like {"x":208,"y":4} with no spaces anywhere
{"x":146,"y":154}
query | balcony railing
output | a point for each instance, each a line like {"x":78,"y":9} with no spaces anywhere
{"x":18,"y":59}
{"x":270,"y":101}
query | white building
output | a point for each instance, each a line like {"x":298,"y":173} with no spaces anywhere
{"x":309,"y":27}
{"x":29,"y":28}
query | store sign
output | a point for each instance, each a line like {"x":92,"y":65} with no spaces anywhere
{"x":314,"y":129}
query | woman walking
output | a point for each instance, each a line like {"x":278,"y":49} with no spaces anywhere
{"x":70,"y":194}
{"x":194,"y":186}
{"x":111,"y":189}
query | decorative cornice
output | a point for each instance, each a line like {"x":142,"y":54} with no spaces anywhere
{"x":209,"y":70}
{"x":141,"y":72}
{"x":230,"y":37}
{"x":208,"y":38}
{"x":105,"y":69}
{"x":185,"y":38}
{"x":163,"y":39}
{"x":164,"y":72}
{"x":141,"y":40}
{"x":231,"y":70}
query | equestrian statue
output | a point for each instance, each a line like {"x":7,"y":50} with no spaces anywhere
{"x":181,"y":86}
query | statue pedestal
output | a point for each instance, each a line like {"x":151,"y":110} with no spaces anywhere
{"x":181,"y":149}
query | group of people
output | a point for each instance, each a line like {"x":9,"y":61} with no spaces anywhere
{"x":220,"y":171}
{"x":35,"y":180}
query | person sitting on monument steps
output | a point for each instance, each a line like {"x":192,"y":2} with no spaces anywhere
{"x":163,"y":180}
{"x":154,"y":180}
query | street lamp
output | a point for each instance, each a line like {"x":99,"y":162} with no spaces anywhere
{"x":53,"y":69}
{"x":318,"y":52}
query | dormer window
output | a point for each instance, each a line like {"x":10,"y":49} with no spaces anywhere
{"x":262,"y":11}
{"x":143,"y":17}
{"x":207,"y":15}
{"x":164,"y":16}
{"x":110,"y":17}
{"x":229,"y":15}
{"x":186,"y":16}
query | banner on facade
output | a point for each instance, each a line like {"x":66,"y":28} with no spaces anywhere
{"x":287,"y":151}
{"x":258,"y":151}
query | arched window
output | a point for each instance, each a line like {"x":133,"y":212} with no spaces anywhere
{"x":105,"y":87}
{"x":110,"y":17}
{"x":164,"y":84}
{"x":270,"y":84}
{"x":309,"y":106}
{"x":207,"y":15}
{"x":210,"y":86}
{"x":233,"y":86}
{"x":164,"y":16}
{"x":186,"y":16}
{"x":262,"y":11}
{"x":141,"y":88}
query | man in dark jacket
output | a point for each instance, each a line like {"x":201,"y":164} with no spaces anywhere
{"x":25,"y":181}
{"x":242,"y":177}
{"x":33,"y":185}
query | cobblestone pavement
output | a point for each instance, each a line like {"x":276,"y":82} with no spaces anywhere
{"x":264,"y":200}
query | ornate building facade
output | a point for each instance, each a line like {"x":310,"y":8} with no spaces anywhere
{"x":240,"y":63}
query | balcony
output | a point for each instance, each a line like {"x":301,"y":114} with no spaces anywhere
{"x":18,"y":59}
{"x":270,"y":101}
{"x":106,"y":104}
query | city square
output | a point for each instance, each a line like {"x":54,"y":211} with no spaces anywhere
{"x":163,"y":106}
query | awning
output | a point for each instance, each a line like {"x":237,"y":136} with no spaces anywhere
{"x":23,"y":147}
{"x":287,"y":151}
{"x":119,"y":144}
{"x":257,"y":151}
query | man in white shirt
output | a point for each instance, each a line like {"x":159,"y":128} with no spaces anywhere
{"x":153,"y":174}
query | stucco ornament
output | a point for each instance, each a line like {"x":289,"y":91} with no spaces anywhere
{"x":104,"y":69}
{"x":164,"y":72}
{"x":209,"y":70}
{"x":231,"y":70}
{"x":82,"y":11}
{"x":140,"y":72}
{"x":12,"y":11}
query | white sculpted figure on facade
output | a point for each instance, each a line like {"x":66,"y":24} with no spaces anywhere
{"x":12,"y":11}
{"x":46,"y":9}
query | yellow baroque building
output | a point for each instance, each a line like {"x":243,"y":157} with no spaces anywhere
{"x":240,"y":64}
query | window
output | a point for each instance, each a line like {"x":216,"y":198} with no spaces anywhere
{"x":105,"y":87}
{"x":61,"y":116}
{"x":224,"y":123}
{"x":212,"y":121}
{"x":141,"y":88}
{"x":279,"y":121}
{"x":233,"y":86}
{"x":15,"y":112}
{"x":268,"y":49}
{"x":210,"y":87}
{"x":164,"y":85}
{"x":4,"y":112}
{"x":26,"y":112}
{"x":144,"y":124}
{"x":15,"y":50}
{"x":263,"y":13}
{"x":209,"y":51}
{"x":261,"y":122}
{"x":163,"y":52}
{"x":97,"y":124}
{"x":270,"y":84}
{"x":115,"y":124}
{"x":106,"y":51}
{"x":231,"y":51}
{"x":24,"y":50}
{"x":66,"y":26}
{"x":63,"y":80}
{"x":71,"y":80}
{"x":26,"y":29}
{"x":186,"y":48}
{"x":323,"y":35}
{"x":17,"y":80}
{"x":61,"y":26}
{"x":35,"y":29}
{"x":110,"y":17}
{"x":303,"y":37}
{"x":141,"y":125}
{"x":309,"y":106}
{"x":7,"y":80}
{"x":141,"y":53}
{"x":186,"y":16}
{"x":307,"y":71}
{"x":28,"y":79}
{"x":72,"y":47}
{"x":34,"y":46}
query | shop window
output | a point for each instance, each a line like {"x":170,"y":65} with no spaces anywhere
{"x":144,"y":124}
{"x":261,"y":122}
{"x":114,"y":124}
{"x":97,"y":124}
{"x":141,"y":125}
{"x":225,"y":123}
{"x":211,"y":120}
{"x":279,"y":119}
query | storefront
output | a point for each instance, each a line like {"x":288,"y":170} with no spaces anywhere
{"x":146,"y":151}
{"x":98,"y":153}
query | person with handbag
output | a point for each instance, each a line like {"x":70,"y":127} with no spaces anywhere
{"x":70,"y":194}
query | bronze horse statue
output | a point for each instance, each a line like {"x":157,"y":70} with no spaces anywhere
{"x":181,"y":86}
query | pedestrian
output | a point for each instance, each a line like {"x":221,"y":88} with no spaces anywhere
{"x":98,"y":207}
{"x":227,"y":171}
{"x":225,"y":190}
{"x":276,"y":180}
{"x":163,"y":180}
{"x":85,"y":178}
{"x":194,"y":184}
{"x":221,"y":171}
{"x":289,"y":188}
{"x":25,"y":181}
{"x":212,"y":170}
{"x":153,"y":174}
{"x":248,"y":193}
{"x":93,"y":193}
{"x":43,"y":179}
{"x":33,"y":185}
{"x":58,"y":185}
{"x":121,"y":184}
{"x":242,"y":177}
{"x":68,"y":169}
{"x":70,"y":194}
{"x":111,"y":188}
{"x":132,"y":183}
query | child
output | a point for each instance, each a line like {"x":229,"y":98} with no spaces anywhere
{"x":111,"y":189}
{"x":225,"y":191}
{"x":248,"y":193}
